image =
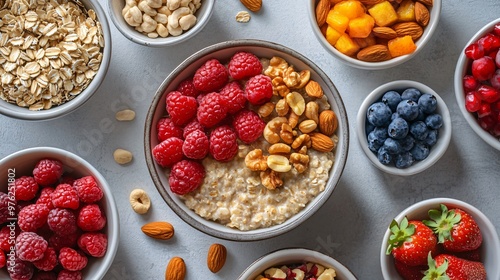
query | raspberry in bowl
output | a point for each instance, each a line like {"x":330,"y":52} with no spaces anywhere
{"x":66,"y":215}
{"x":251,"y":138}
{"x":477,"y":83}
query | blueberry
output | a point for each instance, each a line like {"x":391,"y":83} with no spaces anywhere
{"x":419,"y":130}
{"x":403,"y":160}
{"x":392,"y":146}
{"x":427,"y":103}
{"x":384,"y":156}
{"x":432,"y":137}
{"x":407,"y":143}
{"x":420,"y":151}
{"x":421,"y":115}
{"x":368,"y":127}
{"x":379,"y":114}
{"x":411,"y":94}
{"x":408,"y":109}
{"x":394,"y":116}
{"x":392,"y":99}
{"x":434,"y":121}
{"x":398,"y":128}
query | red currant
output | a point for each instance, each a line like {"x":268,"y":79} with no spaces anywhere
{"x":474,"y":51}
{"x":489,"y":42}
{"x":495,"y":80}
{"x":483,"y":68}
{"x":484,"y":110}
{"x":470,"y":83}
{"x":496,"y":29}
{"x":472,"y":101}
{"x":487,"y":122}
{"x":488,"y":94}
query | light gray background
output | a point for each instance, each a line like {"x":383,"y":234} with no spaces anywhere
{"x":352,"y":223}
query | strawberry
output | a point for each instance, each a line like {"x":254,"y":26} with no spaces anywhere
{"x":456,"y":229}
{"x":474,"y":255}
{"x":453,"y":268}
{"x":411,"y":242}
{"x":410,"y":272}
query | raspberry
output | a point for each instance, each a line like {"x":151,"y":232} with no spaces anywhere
{"x":87,"y":189}
{"x":195,"y":145}
{"x":192,"y":126}
{"x":33,"y":217}
{"x":4,"y":238}
{"x":48,"y":171}
{"x":60,"y":241}
{"x":3,"y":260}
{"x":166,"y":129}
{"x":244,"y":65}
{"x":21,"y":270}
{"x":212,"y":109}
{"x":223,"y":145}
{"x":186,"y":176}
{"x":62,"y":221}
{"x":248,"y":126}
{"x":67,"y":180}
{"x":259,"y":89}
{"x":93,"y":243}
{"x":26,"y":188}
{"x":69,"y":275}
{"x":72,"y":260}
{"x":45,"y":197}
{"x":235,"y":97}
{"x":45,"y":275}
{"x":211,"y":76}
{"x":49,"y":260}
{"x":91,"y":218}
{"x":65,"y":196}
{"x":181,"y":108}
{"x":30,"y":246}
{"x":4,"y":207}
{"x":187,"y":88}
{"x":168,"y":152}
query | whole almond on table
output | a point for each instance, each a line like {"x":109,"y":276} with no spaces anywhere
{"x":176,"y":269}
{"x":216,"y":258}
{"x":322,"y":10}
{"x":252,"y":5}
{"x":374,"y":53}
{"x":158,"y":230}
{"x":422,"y":14}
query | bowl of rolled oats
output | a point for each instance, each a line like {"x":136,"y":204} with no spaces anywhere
{"x":54,"y":56}
{"x":246,"y":139}
{"x":158,"y":23}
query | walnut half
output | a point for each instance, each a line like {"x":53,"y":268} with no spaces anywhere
{"x":271,"y":179}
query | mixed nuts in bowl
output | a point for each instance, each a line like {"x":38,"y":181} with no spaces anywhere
{"x":260,"y":164}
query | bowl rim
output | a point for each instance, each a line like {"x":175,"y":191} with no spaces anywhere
{"x":14,"y":111}
{"x":429,"y":31}
{"x":205,"y":226}
{"x":476,"y":213}
{"x":294,"y":253}
{"x":144,"y":40}
{"x":460,"y":70}
{"x":444,"y":133}
{"x":114,"y":228}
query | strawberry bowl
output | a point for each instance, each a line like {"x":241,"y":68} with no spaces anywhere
{"x":242,"y":187}
{"x":487,"y":253}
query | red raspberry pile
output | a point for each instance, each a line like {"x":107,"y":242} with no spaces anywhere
{"x":59,"y":224}
{"x":207,"y":116}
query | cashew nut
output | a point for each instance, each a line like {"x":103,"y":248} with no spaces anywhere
{"x":131,"y":3}
{"x":133,"y":16}
{"x":256,"y":161}
{"x":187,"y":21}
{"x":164,"y":10}
{"x":161,"y":18}
{"x":143,"y":6}
{"x":173,"y":4}
{"x":125,"y":10}
{"x":185,"y":3}
{"x":272,"y":128}
{"x":154,"y":3}
{"x":148,"y":23}
{"x":162,"y":30}
{"x":139,"y":200}
{"x":174,"y":31}
{"x":173,"y":19}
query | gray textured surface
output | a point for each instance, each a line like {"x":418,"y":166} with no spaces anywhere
{"x":351,"y":224}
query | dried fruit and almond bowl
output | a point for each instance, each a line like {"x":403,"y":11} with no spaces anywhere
{"x":303,"y":263}
{"x":477,"y":83}
{"x":67,"y":220}
{"x":456,"y":233}
{"x":50,"y":70}
{"x":250,"y":157}
{"x":374,"y":34}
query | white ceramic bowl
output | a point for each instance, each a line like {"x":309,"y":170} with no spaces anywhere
{"x":223,"y":52}
{"x":490,"y":249}
{"x":436,"y":151}
{"x":22,"y":163}
{"x":203,"y":15}
{"x":14,"y":111}
{"x":294,"y":256}
{"x":463,"y":64}
{"x":435,"y":13}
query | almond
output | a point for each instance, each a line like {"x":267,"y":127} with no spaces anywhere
{"x":176,"y":269}
{"x":158,"y":230}
{"x":321,"y":142}
{"x":313,"y":89}
{"x":328,"y":122}
{"x":428,"y":3}
{"x":374,"y":53}
{"x":252,"y":5}
{"x":422,"y":15}
{"x":384,"y":33}
{"x":322,"y":10}
{"x":408,"y":28}
{"x":216,"y":257}
{"x":370,"y":2}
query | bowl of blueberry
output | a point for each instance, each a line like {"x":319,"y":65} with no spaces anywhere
{"x":477,"y":83}
{"x":404,"y":127}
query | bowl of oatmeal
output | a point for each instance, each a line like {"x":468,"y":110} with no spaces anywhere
{"x":263,"y":164}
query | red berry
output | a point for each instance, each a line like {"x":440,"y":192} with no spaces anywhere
{"x":181,"y":108}
{"x":48,"y":171}
{"x":497,"y":59}
{"x":93,"y":244}
{"x":223,"y":144}
{"x":166,"y":129}
{"x":483,"y":68}
{"x":456,"y":268}
{"x":4,"y":207}
{"x":470,"y":83}
{"x":248,"y":125}
{"x":244,"y":65}
{"x":186,"y":176}
{"x":87,"y":189}
{"x":212,"y":110}
{"x":30,"y":246}
{"x":484,"y":110}
{"x":62,"y":221}
{"x":65,"y":196}
{"x":474,"y":51}
{"x":235,"y":97}
{"x":33,"y":217}
{"x":2,"y":259}
{"x":45,"y":197}
{"x":410,"y":272}
{"x":487,"y":122}
{"x":495,"y":80}
{"x":91,"y":218}
{"x":192,"y":126}
{"x":489,"y":42}
{"x":168,"y":152}
{"x":495,"y":131}
{"x":474,"y":255}
{"x":45,"y":275}
{"x":49,"y":260}
{"x":187,"y":88}
{"x":26,"y":188}
{"x":66,"y":180}
{"x":472,"y":101}
{"x":496,"y":29}
{"x":259,"y":89}
{"x":195,"y":145}
{"x":60,"y":241}
{"x":4,"y":239}
{"x":211,"y":76}
{"x":488,"y":93}
{"x":21,"y":270}
{"x":69,"y":275}
{"x":72,"y":260}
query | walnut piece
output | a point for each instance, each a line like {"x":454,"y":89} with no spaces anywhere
{"x":256,"y":161}
{"x":299,"y":161}
{"x":271,"y":179}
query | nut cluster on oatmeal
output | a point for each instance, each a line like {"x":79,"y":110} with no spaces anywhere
{"x":306,"y":271}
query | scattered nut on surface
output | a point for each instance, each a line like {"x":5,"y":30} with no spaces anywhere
{"x":158,"y":230}
{"x":125,"y":115}
{"x":216,"y":257}
{"x":243,"y":17}
{"x":122,"y":156}
{"x":176,"y":269}
{"x":140,"y":202}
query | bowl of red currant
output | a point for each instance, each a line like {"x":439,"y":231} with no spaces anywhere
{"x":477,"y":83}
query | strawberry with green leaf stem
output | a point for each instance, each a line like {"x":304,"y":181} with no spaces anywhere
{"x":410,"y":242}
{"x":456,"y":229}
{"x":448,"y":267}
{"x":410,"y":272}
